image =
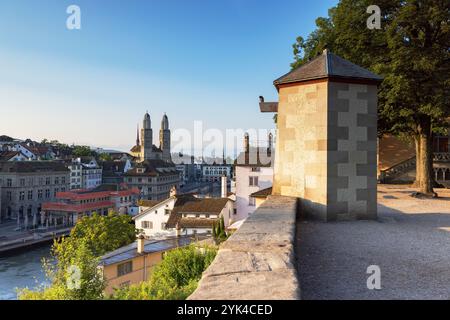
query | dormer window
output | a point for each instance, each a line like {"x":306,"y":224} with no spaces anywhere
{"x":140,"y":170}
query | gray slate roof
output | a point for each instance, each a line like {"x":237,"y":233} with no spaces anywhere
{"x":130,"y":251}
{"x":325,"y":66}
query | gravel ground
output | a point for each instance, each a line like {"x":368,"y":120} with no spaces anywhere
{"x":410,"y":243}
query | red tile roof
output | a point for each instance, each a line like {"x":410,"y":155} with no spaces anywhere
{"x":82,"y":194}
{"x":66,"y":207}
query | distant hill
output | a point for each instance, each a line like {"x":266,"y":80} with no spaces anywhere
{"x":4,"y":138}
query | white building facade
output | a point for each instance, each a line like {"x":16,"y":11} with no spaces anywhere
{"x":214,"y":172}
{"x":182,"y":215}
{"x":85,"y":175}
{"x":254,"y":172}
{"x":250,"y":179}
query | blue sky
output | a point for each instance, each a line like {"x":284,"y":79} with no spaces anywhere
{"x":205,"y":60}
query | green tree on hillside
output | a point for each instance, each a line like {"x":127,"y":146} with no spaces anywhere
{"x":105,"y":157}
{"x":411,"y":51}
{"x":73,"y":273}
{"x":83,"y":151}
{"x":77,"y":257}
{"x":103,"y":233}
{"x":175,"y":278}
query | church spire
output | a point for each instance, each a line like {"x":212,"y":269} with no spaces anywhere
{"x":137,"y":136}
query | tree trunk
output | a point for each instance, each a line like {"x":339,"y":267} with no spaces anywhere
{"x":426,"y":157}
{"x":418,"y":180}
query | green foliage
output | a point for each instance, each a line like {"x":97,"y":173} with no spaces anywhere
{"x":74,"y":275}
{"x":175,"y":278}
{"x":82,"y":151}
{"x":105,"y":157}
{"x":89,"y":239}
{"x":104,"y":233}
{"x":219,"y":231}
{"x":411,"y":51}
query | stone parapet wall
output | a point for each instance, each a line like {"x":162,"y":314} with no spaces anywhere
{"x":258,"y":261}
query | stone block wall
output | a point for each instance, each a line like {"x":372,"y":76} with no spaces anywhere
{"x":301,"y":151}
{"x":257,"y":262}
{"x":352,"y":151}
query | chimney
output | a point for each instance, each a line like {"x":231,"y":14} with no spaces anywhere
{"x":178,"y":230}
{"x":224,"y":192}
{"x":270,"y":144}
{"x":246,"y":143}
{"x":140,"y":244}
{"x":173,"y":191}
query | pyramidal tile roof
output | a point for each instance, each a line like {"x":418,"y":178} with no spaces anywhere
{"x":328,"y":65}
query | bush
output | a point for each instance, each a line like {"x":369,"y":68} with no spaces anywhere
{"x":175,"y":278}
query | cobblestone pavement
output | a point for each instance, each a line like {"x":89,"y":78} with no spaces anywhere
{"x":410,"y":243}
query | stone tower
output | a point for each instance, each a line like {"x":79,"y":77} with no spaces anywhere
{"x":327,"y":138}
{"x":164,"y":138}
{"x":146,"y":138}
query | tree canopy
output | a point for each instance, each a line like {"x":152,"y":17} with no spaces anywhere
{"x":411,"y":51}
{"x":175,"y":278}
{"x":83,"y":151}
{"x":75,"y":258}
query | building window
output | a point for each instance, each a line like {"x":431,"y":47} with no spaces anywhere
{"x":63,"y":180}
{"x":30,"y":194}
{"x":22,"y":195}
{"x":9,"y":182}
{"x":39,"y":194}
{"x":124,"y":268}
{"x":22,"y":182}
{"x":47,"y":193}
{"x":47,"y":180}
{"x":251,"y":201}
{"x":166,"y":211}
{"x":253,"y":181}
{"x":440,"y":144}
{"x":147,"y":224}
{"x":163,"y":226}
{"x":56,"y":180}
{"x":9,"y":195}
{"x":256,"y":169}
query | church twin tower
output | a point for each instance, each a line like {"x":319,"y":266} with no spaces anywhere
{"x":145,"y":149}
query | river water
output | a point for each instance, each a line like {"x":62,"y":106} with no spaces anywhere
{"x":22,"y":270}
